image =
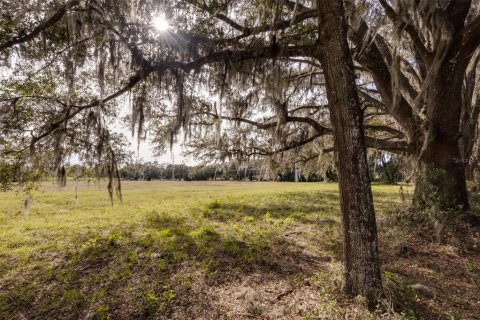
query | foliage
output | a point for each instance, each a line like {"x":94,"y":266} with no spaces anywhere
{"x":245,"y":91}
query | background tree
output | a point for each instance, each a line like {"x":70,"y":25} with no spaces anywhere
{"x":420,"y":76}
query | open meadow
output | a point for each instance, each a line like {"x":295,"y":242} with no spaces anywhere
{"x":215,"y":250}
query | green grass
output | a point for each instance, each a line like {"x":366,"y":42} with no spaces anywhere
{"x":74,"y":260}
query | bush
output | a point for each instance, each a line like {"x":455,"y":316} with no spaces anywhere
{"x":431,"y":205}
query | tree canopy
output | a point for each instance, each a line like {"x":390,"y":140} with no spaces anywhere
{"x":235,"y":78}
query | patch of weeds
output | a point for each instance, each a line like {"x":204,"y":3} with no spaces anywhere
{"x":174,"y":234}
{"x":205,"y":234}
{"x":146,"y":241}
{"x":126,"y":273}
{"x":185,"y":281}
{"x":242,"y":253}
{"x":332,"y":246}
{"x":409,"y":314}
{"x":324,"y":281}
{"x":206,"y":239}
{"x":68,"y":274}
{"x":288,"y":221}
{"x":98,"y":249}
{"x":90,"y":244}
{"x":150,"y":302}
{"x":74,"y":299}
{"x":400,"y":294}
{"x":163,"y":220}
{"x":268,"y":217}
{"x":215,"y":204}
{"x":469,"y":266}
{"x":206,"y":212}
{"x":254,"y":309}
{"x":98,"y":295}
{"x":248,"y":219}
{"x":329,"y":310}
{"x":17,"y":298}
{"x":163,"y":265}
{"x":103,"y":313}
{"x":218,"y":211}
{"x":176,"y":244}
{"x":132,"y":257}
{"x":113,"y":239}
{"x":167,"y":297}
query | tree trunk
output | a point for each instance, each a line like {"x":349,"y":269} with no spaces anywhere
{"x":441,"y":176}
{"x":362,"y":267}
{"x":442,"y":167}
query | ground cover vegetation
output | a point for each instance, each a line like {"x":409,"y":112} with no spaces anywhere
{"x":229,"y":250}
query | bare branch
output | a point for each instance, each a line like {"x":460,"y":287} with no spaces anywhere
{"x":410,"y":29}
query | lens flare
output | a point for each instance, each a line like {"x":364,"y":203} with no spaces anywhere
{"x":160,"y":23}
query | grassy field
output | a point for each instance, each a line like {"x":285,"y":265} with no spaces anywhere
{"x":211,"y":250}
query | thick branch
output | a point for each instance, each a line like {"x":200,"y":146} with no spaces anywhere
{"x":471,"y":38}
{"x":321,"y":130}
{"x":395,"y":146}
{"x":237,"y":56}
{"x":384,"y":128}
{"x":248,"y":31}
{"x":372,"y":59}
{"x":457,"y":11}
{"x":42,"y":26}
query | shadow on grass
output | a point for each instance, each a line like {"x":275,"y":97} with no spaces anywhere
{"x":304,"y":207}
{"x":124,"y":275}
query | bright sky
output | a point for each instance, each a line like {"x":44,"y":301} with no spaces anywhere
{"x":160,"y":22}
{"x":145,"y":154}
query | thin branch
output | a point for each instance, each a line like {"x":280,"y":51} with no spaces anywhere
{"x":410,"y":29}
{"x":69,"y":114}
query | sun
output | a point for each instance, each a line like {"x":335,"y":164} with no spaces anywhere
{"x":160,"y":23}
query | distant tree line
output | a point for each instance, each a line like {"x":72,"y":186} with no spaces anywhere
{"x":382,"y":168}
{"x":163,"y":171}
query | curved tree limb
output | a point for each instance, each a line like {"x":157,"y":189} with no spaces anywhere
{"x":41,"y":27}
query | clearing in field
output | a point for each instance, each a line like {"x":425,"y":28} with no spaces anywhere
{"x":205,"y":250}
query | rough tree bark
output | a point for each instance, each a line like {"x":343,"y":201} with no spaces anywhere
{"x":469,"y":119}
{"x":362,"y":267}
{"x":441,"y":149}
{"x":441,"y":152}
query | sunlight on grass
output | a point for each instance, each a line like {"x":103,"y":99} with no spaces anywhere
{"x":218,"y":226}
